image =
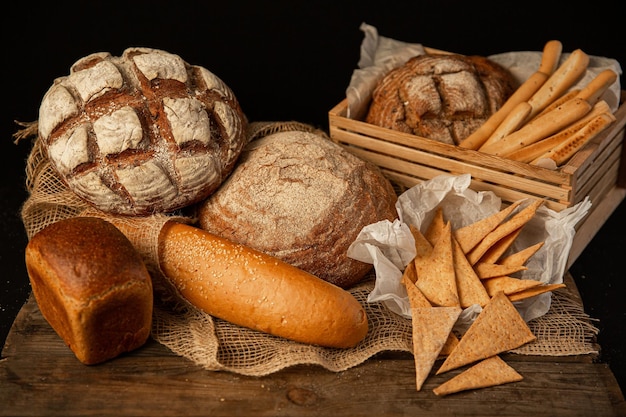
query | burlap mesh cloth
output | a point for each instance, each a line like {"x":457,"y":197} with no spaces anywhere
{"x":215,"y":344}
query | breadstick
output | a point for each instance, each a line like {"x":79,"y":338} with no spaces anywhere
{"x":549,"y":61}
{"x":565,"y":150}
{"x":596,"y":87}
{"x":568,"y":73}
{"x":592,"y":92}
{"x":513,"y":121}
{"x":556,"y":103}
{"x":550,"y":57}
{"x":540,"y":128}
{"x":533,"y":151}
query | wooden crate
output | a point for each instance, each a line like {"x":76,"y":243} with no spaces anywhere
{"x":598,"y":170}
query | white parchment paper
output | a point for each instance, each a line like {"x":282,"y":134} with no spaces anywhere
{"x":389,"y":246}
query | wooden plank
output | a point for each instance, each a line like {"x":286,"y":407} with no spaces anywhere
{"x":40,"y":376}
{"x":417,"y":163}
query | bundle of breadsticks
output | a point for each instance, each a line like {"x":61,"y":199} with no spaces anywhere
{"x":546,"y":121}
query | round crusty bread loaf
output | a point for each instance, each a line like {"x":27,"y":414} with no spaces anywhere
{"x":440,"y":96}
{"x":142,"y":133}
{"x":92,"y":286}
{"x":303,"y":199}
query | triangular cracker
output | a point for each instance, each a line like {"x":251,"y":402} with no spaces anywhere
{"x":449,"y":346}
{"x":508,"y":285}
{"x":486,"y":373}
{"x":503,"y":230}
{"x":435,"y":275}
{"x":435,"y":227}
{"x":469,"y":287}
{"x":416,"y":298}
{"x":522,"y":256}
{"x":423,"y":248}
{"x":431,"y":328}
{"x":498,"y":328}
{"x":410,"y":273}
{"x":422,"y":245}
{"x":488,"y":270}
{"x":495,"y":252}
{"x":531,"y":292}
{"x":469,"y":236}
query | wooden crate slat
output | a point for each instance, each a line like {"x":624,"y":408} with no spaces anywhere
{"x":603,"y":184}
{"x":601,"y":158}
{"x":370,"y":147}
{"x":606,"y":171}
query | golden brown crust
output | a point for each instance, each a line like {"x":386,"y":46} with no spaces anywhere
{"x":92,"y":286}
{"x":254,"y":290}
{"x":440,"y":96}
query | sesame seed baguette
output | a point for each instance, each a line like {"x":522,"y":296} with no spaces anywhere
{"x":252,"y":289}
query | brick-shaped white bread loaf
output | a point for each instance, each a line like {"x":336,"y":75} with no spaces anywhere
{"x":304,"y":199}
{"x":142,"y":133}
{"x":444,"y":97}
{"x":92,"y":286}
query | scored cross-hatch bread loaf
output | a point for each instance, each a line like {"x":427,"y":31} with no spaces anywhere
{"x":92,"y":286}
{"x":444,"y":97}
{"x":142,"y":133}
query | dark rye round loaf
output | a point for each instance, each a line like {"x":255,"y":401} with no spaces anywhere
{"x":440,"y":96}
{"x":303,"y":199}
{"x":141,"y":133}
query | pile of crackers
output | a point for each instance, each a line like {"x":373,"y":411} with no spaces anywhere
{"x":455,"y":269}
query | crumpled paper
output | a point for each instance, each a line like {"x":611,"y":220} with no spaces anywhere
{"x":390,"y":246}
{"x":380,"y":54}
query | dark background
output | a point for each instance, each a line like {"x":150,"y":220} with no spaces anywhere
{"x":291,"y":61}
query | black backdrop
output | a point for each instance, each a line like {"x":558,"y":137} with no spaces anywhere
{"x":290,"y":61}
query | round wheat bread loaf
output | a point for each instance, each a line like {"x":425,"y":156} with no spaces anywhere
{"x":142,"y":133}
{"x":303,"y":199}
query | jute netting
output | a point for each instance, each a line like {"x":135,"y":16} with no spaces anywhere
{"x":215,"y":344}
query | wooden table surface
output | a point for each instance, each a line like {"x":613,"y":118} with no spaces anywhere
{"x":39,"y":375}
